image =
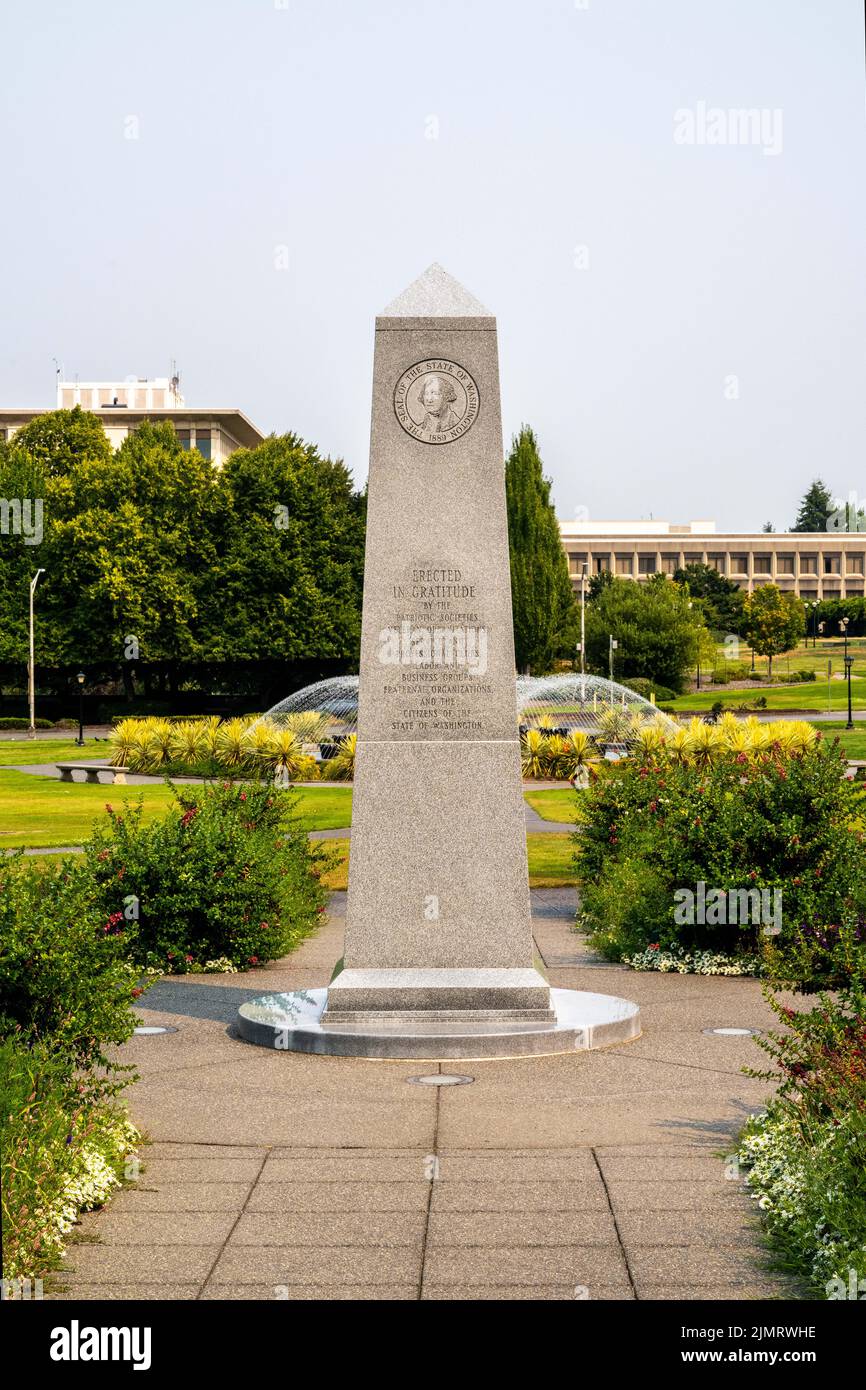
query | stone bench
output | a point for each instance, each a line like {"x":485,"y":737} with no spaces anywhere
{"x":92,"y":771}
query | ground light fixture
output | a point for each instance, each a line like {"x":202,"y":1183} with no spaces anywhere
{"x":725,"y":1032}
{"x":440,"y":1079}
{"x":147,"y":1030}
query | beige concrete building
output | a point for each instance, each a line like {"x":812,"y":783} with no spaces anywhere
{"x":123,"y":405}
{"x":813,"y":564}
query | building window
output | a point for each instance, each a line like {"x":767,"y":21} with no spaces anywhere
{"x":670,"y":564}
{"x":716,"y":562}
{"x":832,"y":564}
{"x":784,"y":564}
{"x":576,"y":563}
{"x":808,"y":564}
{"x":646,"y":564}
{"x":808,"y":593}
{"x":624,"y":564}
{"x":183,"y":438}
{"x":739,"y":564}
{"x":202,"y":442}
{"x":762,"y":564}
{"x":854,"y":564}
{"x":600,"y":566}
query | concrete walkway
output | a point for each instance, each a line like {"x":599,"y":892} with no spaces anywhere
{"x":276,"y":1175}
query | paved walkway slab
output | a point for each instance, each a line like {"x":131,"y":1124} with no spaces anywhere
{"x":280,"y":1176}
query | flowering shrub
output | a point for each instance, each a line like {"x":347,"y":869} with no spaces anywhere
{"x":66,"y":978}
{"x":695,"y":962}
{"x":226,"y":880}
{"x":767,"y":819}
{"x":806,"y":1157}
{"x":66,"y":990}
{"x":62,"y":1154}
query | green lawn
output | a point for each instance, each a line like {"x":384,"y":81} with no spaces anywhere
{"x":550,"y":861}
{"x":811,"y":695}
{"x":50,"y":750}
{"x":853,"y":741}
{"x":555,"y":805}
{"x":39,"y":812}
{"x":43,"y":811}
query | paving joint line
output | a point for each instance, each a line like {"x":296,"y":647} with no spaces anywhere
{"x":435,"y":1160}
{"x":620,"y":1241}
{"x":234,"y":1225}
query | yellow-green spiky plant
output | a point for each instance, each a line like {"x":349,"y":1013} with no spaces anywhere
{"x":124,"y":738}
{"x":706,"y":743}
{"x":534,"y":753}
{"x":679,"y":746}
{"x":341,"y":768}
{"x":258,"y":741}
{"x":233,"y":747}
{"x":159,"y":735}
{"x":570,"y":757}
{"x":649,"y":738}
{"x":187,"y":744}
{"x":289,"y":761}
{"x":209,"y":733}
{"x":308,"y":724}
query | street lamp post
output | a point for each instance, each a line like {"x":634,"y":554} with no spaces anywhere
{"x":611,"y":649}
{"x":583,"y":619}
{"x":80,"y":679}
{"x":849,"y":662}
{"x":31,"y":677}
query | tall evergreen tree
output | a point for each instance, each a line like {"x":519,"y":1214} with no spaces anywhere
{"x":816,"y":506}
{"x":545,"y":611}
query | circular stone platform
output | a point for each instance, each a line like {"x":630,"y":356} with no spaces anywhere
{"x":292,"y":1023}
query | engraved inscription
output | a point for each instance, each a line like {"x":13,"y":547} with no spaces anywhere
{"x":434,"y":653}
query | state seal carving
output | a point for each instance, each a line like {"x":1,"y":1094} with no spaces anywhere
{"x":436,"y":401}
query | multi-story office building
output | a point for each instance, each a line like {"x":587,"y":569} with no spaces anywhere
{"x":811,"y":564}
{"x":123,"y":405}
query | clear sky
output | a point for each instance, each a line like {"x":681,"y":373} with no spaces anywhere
{"x":702,"y":355}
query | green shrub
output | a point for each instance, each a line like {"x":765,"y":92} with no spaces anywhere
{"x":653,"y":826}
{"x":66,"y":987}
{"x":60,"y":1154}
{"x":12,"y":722}
{"x":797,"y":677}
{"x":806,"y":1157}
{"x":66,"y":979}
{"x":227,"y":875}
{"x":737,"y":670}
{"x":755,"y":676}
{"x":641,"y":686}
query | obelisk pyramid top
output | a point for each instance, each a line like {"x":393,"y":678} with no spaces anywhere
{"x":435,"y":295}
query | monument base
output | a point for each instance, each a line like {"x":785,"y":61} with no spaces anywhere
{"x":581,"y":1022}
{"x":358,"y":995}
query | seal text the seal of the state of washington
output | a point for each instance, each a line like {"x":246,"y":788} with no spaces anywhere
{"x":436,"y":401}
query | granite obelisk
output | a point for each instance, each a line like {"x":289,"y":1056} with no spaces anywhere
{"x":438,"y":916}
